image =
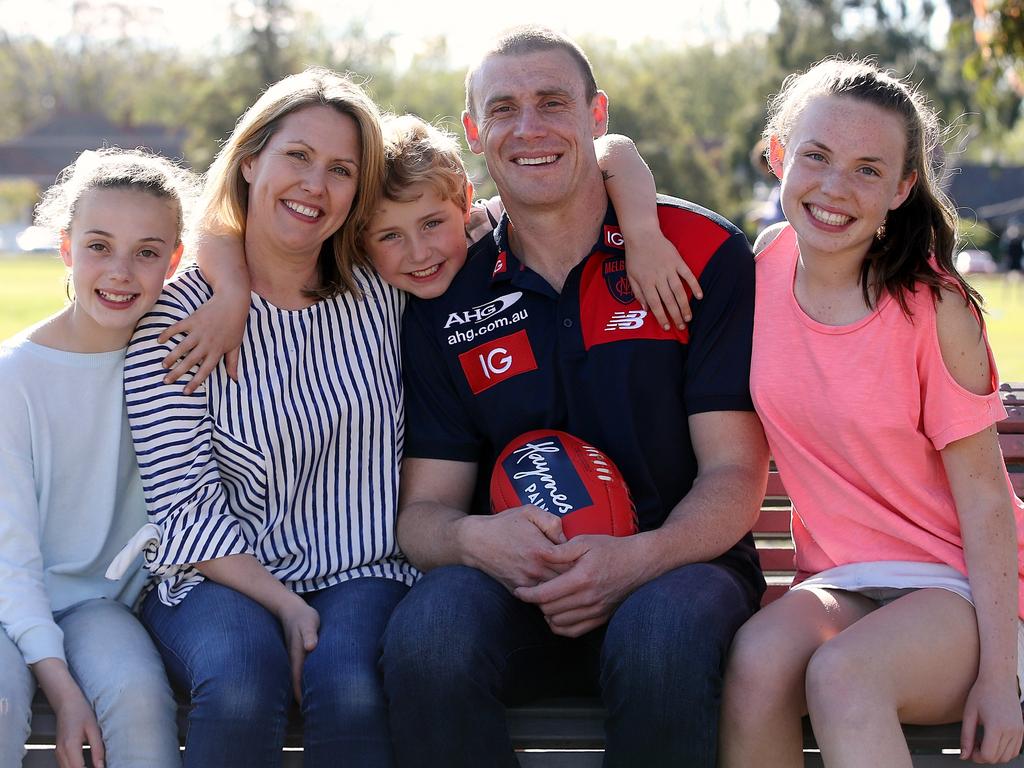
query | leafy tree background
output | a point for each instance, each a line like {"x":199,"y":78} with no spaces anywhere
{"x":695,"y":112}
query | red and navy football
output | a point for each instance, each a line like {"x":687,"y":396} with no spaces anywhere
{"x":563,"y":475}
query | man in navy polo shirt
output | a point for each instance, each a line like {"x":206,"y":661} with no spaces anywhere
{"x":540,"y":329}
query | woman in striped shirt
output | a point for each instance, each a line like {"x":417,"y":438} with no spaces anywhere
{"x":273,"y":496}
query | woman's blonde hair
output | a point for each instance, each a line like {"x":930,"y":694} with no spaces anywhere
{"x":226,"y":196}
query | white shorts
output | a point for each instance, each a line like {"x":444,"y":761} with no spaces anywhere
{"x":886,"y":581}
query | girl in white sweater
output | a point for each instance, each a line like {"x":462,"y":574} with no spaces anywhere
{"x":70,"y":494}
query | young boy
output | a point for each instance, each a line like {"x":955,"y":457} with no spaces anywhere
{"x":419,"y":236}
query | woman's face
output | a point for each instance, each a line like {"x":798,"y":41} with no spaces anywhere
{"x":303,"y":182}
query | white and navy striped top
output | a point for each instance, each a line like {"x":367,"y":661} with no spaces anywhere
{"x":297,"y":462}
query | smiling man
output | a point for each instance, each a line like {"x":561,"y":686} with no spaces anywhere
{"x":540,"y":330}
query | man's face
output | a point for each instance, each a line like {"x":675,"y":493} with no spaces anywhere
{"x":535,"y":126}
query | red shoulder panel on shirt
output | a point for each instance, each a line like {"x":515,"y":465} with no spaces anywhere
{"x":696,"y":236}
{"x":609,"y":311}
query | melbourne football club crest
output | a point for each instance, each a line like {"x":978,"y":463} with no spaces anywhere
{"x":614,"y":270}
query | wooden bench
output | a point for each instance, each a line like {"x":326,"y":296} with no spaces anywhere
{"x":568,"y":733}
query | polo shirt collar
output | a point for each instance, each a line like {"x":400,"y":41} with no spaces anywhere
{"x":506,"y":265}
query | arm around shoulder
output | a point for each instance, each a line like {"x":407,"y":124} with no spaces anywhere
{"x":173,"y":436}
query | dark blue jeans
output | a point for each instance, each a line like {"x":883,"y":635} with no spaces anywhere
{"x":460,"y":647}
{"x":228,"y":652}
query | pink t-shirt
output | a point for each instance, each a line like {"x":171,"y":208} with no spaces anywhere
{"x":856,"y":416}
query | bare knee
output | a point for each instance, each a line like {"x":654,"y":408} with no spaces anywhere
{"x":840,"y":684}
{"x":758,"y":677}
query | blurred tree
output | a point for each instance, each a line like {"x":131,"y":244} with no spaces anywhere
{"x":989,"y":36}
{"x":684,"y":108}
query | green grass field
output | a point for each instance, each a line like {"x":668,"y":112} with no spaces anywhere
{"x":33,"y":287}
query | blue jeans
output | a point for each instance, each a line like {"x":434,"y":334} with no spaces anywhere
{"x":228,"y":652}
{"x":460,"y":647}
{"x":114,"y":663}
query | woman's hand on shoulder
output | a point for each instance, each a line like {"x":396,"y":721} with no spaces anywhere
{"x":213,"y":331}
{"x":482,"y":217}
{"x":993,"y":705}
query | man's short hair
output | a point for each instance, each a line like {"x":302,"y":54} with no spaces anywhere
{"x":531,"y":38}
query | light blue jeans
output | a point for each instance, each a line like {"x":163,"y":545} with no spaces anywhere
{"x":115,"y":664}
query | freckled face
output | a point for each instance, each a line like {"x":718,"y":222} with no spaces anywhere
{"x":418,"y":246}
{"x":303,"y":182}
{"x":535,"y":126}
{"x":842,"y":173}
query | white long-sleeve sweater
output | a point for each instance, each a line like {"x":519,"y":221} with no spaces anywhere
{"x":70,"y":493}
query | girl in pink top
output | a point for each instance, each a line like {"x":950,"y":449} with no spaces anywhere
{"x":874,"y":380}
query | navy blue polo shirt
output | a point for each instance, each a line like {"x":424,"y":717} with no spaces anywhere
{"x":502,"y":352}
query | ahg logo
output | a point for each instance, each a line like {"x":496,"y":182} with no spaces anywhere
{"x":481,"y":312}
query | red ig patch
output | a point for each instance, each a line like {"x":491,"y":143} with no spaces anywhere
{"x":497,"y":360}
{"x":613,"y":237}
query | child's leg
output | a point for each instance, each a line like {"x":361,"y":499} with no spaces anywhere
{"x":913,"y":660}
{"x":763,"y":699}
{"x":343,"y":704}
{"x":17,"y":686}
{"x":114,"y":662}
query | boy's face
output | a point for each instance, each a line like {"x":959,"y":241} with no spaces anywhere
{"x":418,"y":246}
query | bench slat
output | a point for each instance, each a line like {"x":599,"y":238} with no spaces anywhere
{"x":773,"y":521}
{"x":1012,"y":446}
{"x":776,"y":559}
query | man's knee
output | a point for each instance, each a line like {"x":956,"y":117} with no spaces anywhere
{"x":682,"y":621}
{"x":442,"y":623}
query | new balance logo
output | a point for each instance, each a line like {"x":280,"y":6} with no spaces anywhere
{"x":626,"y":321}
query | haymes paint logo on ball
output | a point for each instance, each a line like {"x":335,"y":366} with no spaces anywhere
{"x":542,"y":474}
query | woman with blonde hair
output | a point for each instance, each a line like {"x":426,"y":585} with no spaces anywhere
{"x":273,"y":497}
